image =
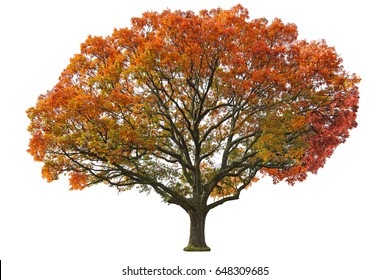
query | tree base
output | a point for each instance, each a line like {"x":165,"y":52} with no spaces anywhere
{"x":191,"y":248}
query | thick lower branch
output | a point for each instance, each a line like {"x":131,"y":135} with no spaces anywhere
{"x":223,"y":200}
{"x":158,"y":187}
{"x":236,"y":196}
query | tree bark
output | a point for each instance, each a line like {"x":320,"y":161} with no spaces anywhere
{"x":197,"y":241}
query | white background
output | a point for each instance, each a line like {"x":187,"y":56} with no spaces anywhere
{"x":335,"y":225}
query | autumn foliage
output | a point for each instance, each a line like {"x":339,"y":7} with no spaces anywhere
{"x":194,"y":106}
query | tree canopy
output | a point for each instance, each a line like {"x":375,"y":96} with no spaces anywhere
{"x":194,"y":106}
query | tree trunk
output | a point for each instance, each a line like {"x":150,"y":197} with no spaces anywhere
{"x":197,"y":240}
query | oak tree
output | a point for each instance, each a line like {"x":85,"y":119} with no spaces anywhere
{"x":194,"y":107}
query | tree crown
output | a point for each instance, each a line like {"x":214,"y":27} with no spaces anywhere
{"x":193,"y":106}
